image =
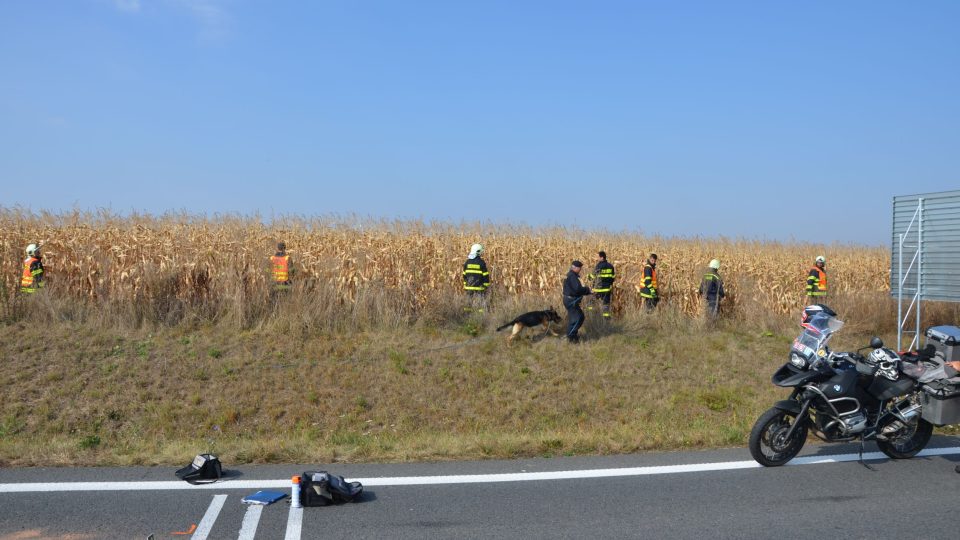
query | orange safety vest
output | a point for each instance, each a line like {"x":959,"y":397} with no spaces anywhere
{"x":649,"y":291}
{"x":281,"y":268}
{"x":821,"y":283}
{"x":27,"y":280}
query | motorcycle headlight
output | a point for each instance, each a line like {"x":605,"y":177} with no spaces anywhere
{"x":797,"y":360}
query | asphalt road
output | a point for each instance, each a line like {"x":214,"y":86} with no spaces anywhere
{"x":726,"y":498}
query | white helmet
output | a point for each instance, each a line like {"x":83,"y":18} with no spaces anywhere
{"x":32,"y":249}
{"x":821,"y":259}
{"x":714,"y":264}
{"x":476,"y":248}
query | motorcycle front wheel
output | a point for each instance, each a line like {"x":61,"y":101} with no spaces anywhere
{"x":910,"y":444}
{"x":769,"y":445}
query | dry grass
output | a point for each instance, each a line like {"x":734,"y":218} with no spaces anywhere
{"x":86,"y":396}
{"x":157,"y":338}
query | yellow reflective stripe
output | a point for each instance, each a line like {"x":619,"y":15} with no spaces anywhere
{"x":475,"y":266}
{"x":469,"y":288}
{"x":474,"y":272}
{"x":601,"y":290}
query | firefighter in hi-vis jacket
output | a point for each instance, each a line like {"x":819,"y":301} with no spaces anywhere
{"x":476,"y":279}
{"x":817,"y":281}
{"x":649,"y":291}
{"x":282,"y":268}
{"x":32,"y":277}
{"x":602,"y":277}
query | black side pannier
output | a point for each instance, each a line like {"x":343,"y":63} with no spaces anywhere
{"x":320,"y":488}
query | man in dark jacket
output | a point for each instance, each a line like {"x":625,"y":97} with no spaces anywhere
{"x":603,"y":276}
{"x":573,"y":293}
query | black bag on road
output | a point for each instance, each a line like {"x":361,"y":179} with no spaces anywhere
{"x":320,"y":488}
{"x":204,"y":469}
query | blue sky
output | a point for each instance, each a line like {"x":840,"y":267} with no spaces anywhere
{"x":756,"y":119}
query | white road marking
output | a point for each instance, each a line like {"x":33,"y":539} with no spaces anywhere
{"x":248,"y":529}
{"x":294,"y":524}
{"x":42,"y":487}
{"x":206,"y":524}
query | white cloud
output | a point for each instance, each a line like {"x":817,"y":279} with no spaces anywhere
{"x":211,"y":14}
{"x":127,"y":5}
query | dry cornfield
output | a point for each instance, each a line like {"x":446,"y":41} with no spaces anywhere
{"x":103,"y":257}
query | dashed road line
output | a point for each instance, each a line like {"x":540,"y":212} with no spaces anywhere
{"x":248,"y":529}
{"x":294,"y":524}
{"x":209,"y":518}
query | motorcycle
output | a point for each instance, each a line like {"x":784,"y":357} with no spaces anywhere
{"x":840,"y":397}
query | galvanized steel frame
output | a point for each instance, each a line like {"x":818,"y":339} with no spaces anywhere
{"x":925,"y":257}
{"x":902,"y":278}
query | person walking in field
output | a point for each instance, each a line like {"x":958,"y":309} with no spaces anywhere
{"x":817,"y":281}
{"x":32,"y":277}
{"x":603,"y":276}
{"x":282,"y":268}
{"x":573,"y":293}
{"x":476,"y":279}
{"x":711,"y":289}
{"x":649,"y":291}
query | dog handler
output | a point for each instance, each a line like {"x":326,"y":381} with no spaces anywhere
{"x":573,"y":293}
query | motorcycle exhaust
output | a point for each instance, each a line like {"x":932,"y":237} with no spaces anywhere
{"x":903,"y":417}
{"x":908,"y":414}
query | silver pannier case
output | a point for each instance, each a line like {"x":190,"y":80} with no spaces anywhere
{"x":946,"y":339}
{"x":941,"y":403}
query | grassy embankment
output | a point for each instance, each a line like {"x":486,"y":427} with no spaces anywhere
{"x":177,"y":358}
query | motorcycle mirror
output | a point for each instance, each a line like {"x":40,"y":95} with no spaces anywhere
{"x":876,"y":343}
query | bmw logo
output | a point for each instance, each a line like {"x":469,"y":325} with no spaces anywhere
{"x":837,"y":388}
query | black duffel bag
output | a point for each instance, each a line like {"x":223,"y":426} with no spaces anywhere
{"x":320,"y":488}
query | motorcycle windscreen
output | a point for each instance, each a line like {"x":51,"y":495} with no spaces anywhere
{"x":816,"y":333}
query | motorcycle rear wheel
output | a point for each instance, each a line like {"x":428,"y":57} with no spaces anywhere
{"x":911,"y":446}
{"x":768,"y":444}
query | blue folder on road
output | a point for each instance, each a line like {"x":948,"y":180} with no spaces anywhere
{"x":263,"y":497}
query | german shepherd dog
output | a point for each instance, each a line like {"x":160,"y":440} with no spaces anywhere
{"x":531,"y":319}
